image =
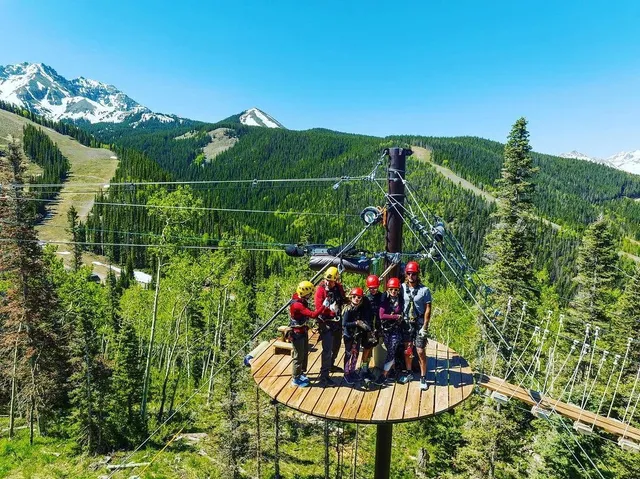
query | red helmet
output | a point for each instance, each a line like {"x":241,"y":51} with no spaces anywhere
{"x":393,"y":283}
{"x":412,"y":267}
{"x":373,"y":281}
{"x":356,"y":291}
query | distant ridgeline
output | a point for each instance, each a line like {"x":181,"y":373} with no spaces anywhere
{"x":568,"y":192}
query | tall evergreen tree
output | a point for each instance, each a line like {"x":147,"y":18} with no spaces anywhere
{"x":510,"y":243}
{"x":73,"y":230}
{"x":626,"y":321}
{"x":31,"y":334}
{"x":596,"y":278}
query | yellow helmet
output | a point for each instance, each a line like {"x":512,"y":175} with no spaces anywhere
{"x":305,"y":288}
{"x":331,"y":274}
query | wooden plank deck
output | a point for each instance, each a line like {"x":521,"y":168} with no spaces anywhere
{"x":570,"y":411}
{"x":449,"y":377}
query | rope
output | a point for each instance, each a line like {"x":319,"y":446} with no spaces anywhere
{"x":162,"y":450}
{"x":504,"y":326}
{"x":586,"y":382}
{"x":613,"y":368}
{"x":632,"y":413}
{"x":515,"y":341}
{"x":276,"y":456}
{"x":552,"y":354}
{"x":573,"y":348}
{"x":633,"y":390}
{"x":593,"y":384}
{"x":624,"y":360}
{"x":584,"y":345}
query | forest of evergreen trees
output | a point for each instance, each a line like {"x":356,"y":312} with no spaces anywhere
{"x":100,"y":367}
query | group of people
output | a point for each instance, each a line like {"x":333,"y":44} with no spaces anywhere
{"x":400,"y":317}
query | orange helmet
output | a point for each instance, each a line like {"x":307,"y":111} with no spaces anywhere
{"x":373,"y":281}
{"x":412,"y":267}
{"x":393,"y":283}
{"x":356,"y":291}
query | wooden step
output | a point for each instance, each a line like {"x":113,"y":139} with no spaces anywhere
{"x":282,"y":347}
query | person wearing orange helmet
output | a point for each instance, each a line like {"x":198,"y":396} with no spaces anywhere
{"x":299,"y":314}
{"x":417,"y":314}
{"x":329,"y":299}
{"x":356,"y":323}
{"x":390,"y":314}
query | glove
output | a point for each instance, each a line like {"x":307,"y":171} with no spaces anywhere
{"x":422,"y":333}
{"x":362,"y":325}
{"x":326,"y":303}
{"x":334,"y":308}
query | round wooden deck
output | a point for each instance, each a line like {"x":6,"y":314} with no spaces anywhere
{"x":450,"y":383}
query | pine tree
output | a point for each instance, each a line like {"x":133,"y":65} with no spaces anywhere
{"x":126,"y":389}
{"x":597,"y":262}
{"x":73,"y":230}
{"x":31,"y":333}
{"x":510,"y":243}
{"x":626,"y":320}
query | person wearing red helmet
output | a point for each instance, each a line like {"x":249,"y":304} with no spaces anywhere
{"x":372,"y":299}
{"x":356,"y":320}
{"x":390,"y":314}
{"x":417,"y":314}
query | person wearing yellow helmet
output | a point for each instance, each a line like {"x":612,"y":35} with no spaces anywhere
{"x":329,"y":299}
{"x":299,"y":314}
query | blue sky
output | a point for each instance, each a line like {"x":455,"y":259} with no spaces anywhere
{"x":430,"y":67}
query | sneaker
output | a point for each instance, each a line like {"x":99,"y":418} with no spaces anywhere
{"x":326,"y":382}
{"x":380,"y":380}
{"x":336,"y":369}
{"x":423,"y":383}
{"x":349,"y":378}
{"x":405,"y":377}
{"x":299,"y":383}
{"x":303,"y":378}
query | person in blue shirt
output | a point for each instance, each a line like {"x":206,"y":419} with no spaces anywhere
{"x":417,"y":314}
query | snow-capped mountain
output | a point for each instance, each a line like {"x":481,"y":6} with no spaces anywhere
{"x":628,"y":161}
{"x":41,"y":89}
{"x":256,"y":117}
{"x":578,"y":156}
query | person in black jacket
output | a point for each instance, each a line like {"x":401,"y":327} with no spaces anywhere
{"x":372,"y":300}
{"x":356,"y":320}
{"x":391,"y":313}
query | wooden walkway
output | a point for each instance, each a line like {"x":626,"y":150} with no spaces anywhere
{"x":450,"y":383}
{"x":570,"y":411}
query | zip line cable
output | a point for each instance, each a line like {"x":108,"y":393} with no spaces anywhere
{"x":484,"y":314}
{"x":238,"y":351}
{"x":205,"y":208}
{"x":133,"y":245}
{"x":254,"y":181}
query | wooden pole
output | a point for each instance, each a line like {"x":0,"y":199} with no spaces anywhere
{"x":395,"y":174}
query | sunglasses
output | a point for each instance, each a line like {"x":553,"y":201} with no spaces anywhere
{"x":412,"y":274}
{"x":393,"y":290}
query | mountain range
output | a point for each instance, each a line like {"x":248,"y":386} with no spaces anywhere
{"x":625,"y":160}
{"x":40,"y":89}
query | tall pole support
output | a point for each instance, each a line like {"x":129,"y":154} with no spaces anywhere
{"x":395,"y":173}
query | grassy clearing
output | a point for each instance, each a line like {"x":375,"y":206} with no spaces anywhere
{"x":88,"y":165}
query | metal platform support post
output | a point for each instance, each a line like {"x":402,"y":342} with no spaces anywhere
{"x":395,"y":174}
{"x":384,"y":437}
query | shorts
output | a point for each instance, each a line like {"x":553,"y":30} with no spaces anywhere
{"x":410,"y":333}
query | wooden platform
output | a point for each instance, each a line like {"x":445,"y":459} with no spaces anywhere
{"x":450,"y":383}
{"x":570,"y":411}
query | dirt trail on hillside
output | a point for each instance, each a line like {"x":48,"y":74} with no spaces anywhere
{"x":424,"y":154}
